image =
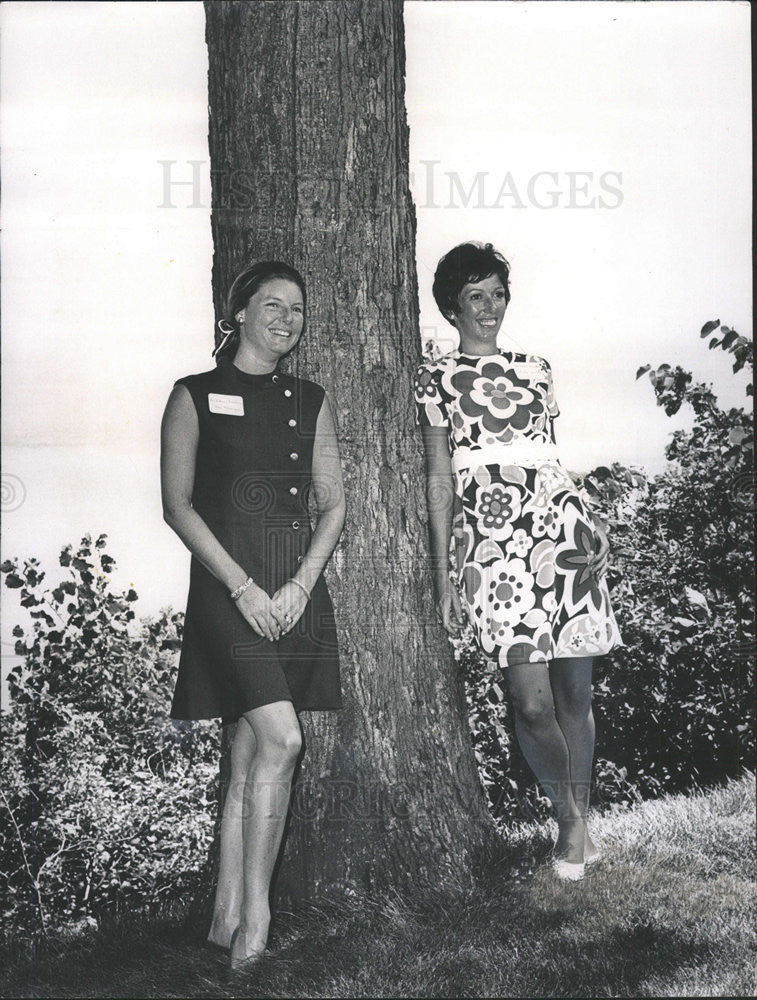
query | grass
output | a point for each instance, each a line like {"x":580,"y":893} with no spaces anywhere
{"x":667,"y":912}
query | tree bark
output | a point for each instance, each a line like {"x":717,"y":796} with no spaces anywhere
{"x":309,"y":164}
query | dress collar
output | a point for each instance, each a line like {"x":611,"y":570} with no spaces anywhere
{"x":234,"y":374}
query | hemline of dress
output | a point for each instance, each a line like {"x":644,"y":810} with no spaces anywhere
{"x":235,"y":718}
{"x":533,"y":663}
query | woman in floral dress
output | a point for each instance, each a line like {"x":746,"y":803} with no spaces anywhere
{"x":530,"y":555}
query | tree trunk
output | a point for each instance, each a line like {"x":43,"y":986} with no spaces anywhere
{"x":309,"y":164}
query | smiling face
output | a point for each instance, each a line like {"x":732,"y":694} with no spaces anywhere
{"x":273,"y":319}
{"x":482,"y":307}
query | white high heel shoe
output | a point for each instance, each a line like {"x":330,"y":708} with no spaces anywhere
{"x":568,"y":871}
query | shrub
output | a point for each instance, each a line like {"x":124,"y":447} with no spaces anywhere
{"x":105,"y":802}
{"x":677,"y":700}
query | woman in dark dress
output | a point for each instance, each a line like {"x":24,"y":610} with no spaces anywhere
{"x":242,"y":444}
{"x":531,"y":555}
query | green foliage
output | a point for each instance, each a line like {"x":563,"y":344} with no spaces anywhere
{"x":677,"y":699}
{"x":105,"y":802}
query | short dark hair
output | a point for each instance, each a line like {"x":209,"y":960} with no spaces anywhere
{"x":244,"y":286}
{"x":466,"y":263}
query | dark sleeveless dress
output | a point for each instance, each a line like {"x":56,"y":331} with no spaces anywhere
{"x":252,"y":476}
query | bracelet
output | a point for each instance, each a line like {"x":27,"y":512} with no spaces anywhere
{"x":238,"y":591}
{"x":302,"y":587}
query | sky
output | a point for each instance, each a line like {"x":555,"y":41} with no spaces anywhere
{"x":604,"y":148}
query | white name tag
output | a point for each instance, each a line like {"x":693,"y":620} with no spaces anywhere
{"x":219,"y":402}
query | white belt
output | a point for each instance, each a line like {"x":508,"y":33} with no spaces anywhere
{"x":518,"y":453}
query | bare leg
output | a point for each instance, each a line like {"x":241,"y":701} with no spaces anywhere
{"x":278,"y":742}
{"x":544,"y":747}
{"x":571,"y":688}
{"x":229,"y":891}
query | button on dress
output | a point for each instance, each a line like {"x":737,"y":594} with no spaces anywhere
{"x":252,"y":478}
{"x":523,"y":533}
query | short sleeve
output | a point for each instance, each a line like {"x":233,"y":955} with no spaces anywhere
{"x":190,"y":384}
{"x":430,"y":409}
{"x":552,"y":408}
{"x":317,"y":395}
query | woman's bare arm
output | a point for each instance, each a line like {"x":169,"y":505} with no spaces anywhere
{"x":180,"y":434}
{"x":329,"y":498}
{"x":440,"y":498}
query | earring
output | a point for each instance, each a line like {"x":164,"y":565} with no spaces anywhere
{"x":240,"y":317}
{"x":228,"y":332}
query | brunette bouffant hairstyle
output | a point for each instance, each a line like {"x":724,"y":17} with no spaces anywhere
{"x":466,"y":263}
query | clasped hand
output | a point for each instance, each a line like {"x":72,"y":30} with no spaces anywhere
{"x":272,"y":617}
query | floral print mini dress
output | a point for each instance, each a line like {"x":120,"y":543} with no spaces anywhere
{"x":523,"y":534}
